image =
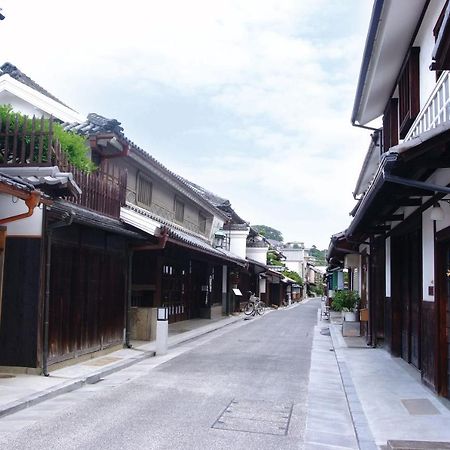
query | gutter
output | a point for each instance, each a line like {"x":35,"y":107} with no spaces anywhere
{"x":31,"y":201}
{"x":368,"y":50}
{"x":388,"y":160}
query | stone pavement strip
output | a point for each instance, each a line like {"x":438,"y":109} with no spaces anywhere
{"x":329,"y":423}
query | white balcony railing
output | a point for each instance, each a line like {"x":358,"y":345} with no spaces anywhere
{"x":435,"y":111}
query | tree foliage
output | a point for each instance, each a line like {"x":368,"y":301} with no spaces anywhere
{"x":269,"y":232}
{"x":319,"y":255}
{"x":273,"y":259}
{"x":293,"y":276}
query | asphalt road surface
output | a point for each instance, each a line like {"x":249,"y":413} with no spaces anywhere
{"x":243,"y":387}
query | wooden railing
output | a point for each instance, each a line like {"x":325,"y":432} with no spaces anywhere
{"x":103,"y":190}
{"x":25,"y":143}
{"x":435,"y":111}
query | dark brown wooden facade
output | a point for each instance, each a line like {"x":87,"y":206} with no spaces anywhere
{"x":88,"y":291}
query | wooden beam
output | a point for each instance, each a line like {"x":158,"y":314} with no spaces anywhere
{"x":410,"y":202}
{"x":394,"y":218}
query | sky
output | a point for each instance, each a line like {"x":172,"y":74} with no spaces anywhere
{"x":250,"y":99}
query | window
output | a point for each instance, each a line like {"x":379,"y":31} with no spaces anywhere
{"x":144,"y":191}
{"x":409,"y":93}
{"x":390,"y":125}
{"x":441,"y":32}
{"x":201,"y":222}
{"x":179,"y":210}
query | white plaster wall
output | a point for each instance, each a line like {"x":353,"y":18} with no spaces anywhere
{"x":262,"y":285}
{"x":427,"y":255}
{"x":425,"y":40}
{"x":388,"y":267}
{"x":238,"y":242}
{"x":224,"y":279}
{"x":31,"y":226}
{"x":296,"y":266}
{"x":258,"y":254}
{"x":340,"y":280}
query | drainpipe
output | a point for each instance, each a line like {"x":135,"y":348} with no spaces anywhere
{"x":64,"y":222}
{"x":31,"y":201}
{"x":128,"y":307}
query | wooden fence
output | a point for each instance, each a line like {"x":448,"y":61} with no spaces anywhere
{"x":28,"y":142}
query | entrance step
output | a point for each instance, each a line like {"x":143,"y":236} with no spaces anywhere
{"x":417,"y":445}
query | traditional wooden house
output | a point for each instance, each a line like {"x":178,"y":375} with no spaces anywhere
{"x":104,"y":244}
{"x":182,"y":267}
{"x":401,"y":223}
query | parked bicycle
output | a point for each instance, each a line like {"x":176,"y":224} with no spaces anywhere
{"x":254,"y":306}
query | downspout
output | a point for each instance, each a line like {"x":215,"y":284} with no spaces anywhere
{"x":128,"y":307}
{"x":32,"y":201}
{"x":64,"y":222}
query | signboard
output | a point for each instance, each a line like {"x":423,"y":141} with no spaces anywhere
{"x":237,"y":292}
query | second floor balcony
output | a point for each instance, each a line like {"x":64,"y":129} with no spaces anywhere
{"x":30,"y":150}
{"x":435,"y":111}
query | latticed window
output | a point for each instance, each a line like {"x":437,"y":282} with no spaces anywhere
{"x":201,"y":222}
{"x":179,"y":210}
{"x":144,"y":191}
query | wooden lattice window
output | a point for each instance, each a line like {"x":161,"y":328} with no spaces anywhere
{"x":144,"y":190}
{"x":390,"y":125}
{"x":178,"y":209}
{"x":202,"y":222}
{"x":409,"y":92}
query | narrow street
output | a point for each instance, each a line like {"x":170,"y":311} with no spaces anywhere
{"x":242,"y":388}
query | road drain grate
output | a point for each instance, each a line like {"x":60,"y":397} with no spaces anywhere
{"x":255,"y":416}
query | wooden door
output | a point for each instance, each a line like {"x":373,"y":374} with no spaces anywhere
{"x":407,"y":293}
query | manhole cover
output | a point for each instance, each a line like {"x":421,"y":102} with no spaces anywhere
{"x":420,"y":407}
{"x":255,"y":416}
{"x":102,"y":361}
{"x":7,"y":375}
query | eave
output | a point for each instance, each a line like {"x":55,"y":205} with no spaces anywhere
{"x":387,"y":44}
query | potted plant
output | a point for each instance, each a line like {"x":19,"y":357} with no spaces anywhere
{"x":346,"y":301}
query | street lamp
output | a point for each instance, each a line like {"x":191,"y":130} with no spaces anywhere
{"x":162,"y":314}
{"x":437,"y":213}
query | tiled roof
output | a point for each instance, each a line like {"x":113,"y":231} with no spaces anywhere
{"x":15,"y":183}
{"x":221,"y":203}
{"x":179,"y":234}
{"x":49,"y":179}
{"x":96,"y":123}
{"x":14,"y":72}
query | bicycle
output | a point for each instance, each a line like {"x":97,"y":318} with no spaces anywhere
{"x":254,"y":306}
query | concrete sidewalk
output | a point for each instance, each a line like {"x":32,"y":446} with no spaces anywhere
{"x":20,"y":391}
{"x":384,"y":395}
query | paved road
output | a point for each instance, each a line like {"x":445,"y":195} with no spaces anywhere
{"x":243,"y":387}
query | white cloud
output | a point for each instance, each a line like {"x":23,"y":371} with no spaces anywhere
{"x":286,"y":79}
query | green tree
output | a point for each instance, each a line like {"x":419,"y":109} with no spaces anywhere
{"x":268,"y":232}
{"x":319,"y":255}
{"x":293,"y":276}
